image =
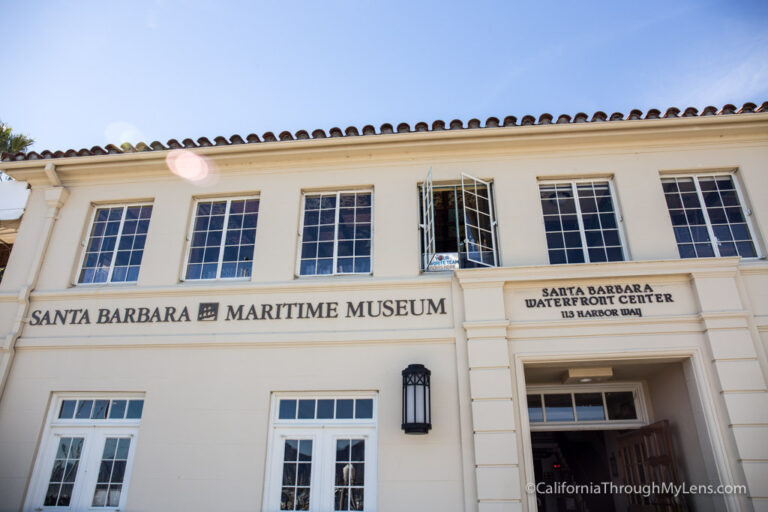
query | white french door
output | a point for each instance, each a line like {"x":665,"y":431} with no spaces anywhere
{"x":83,"y":469}
{"x":322,"y":469}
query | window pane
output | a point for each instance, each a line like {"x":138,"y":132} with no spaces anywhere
{"x":535,"y":412}
{"x":325,"y":409}
{"x":306,"y":409}
{"x":135,"y":408}
{"x":117,"y":411}
{"x":559,"y":407}
{"x":84,"y":409}
{"x":344,"y":409}
{"x":621,"y":405}
{"x":589,"y":406}
{"x":100,"y":409}
{"x":67,"y":409}
{"x":364,"y":408}
{"x":287,"y":409}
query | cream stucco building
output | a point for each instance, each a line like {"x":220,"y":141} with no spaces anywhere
{"x":223,"y":325}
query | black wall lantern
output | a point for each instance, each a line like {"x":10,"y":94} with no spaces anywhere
{"x":417,"y":414}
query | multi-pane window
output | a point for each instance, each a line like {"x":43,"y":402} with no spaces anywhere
{"x":553,"y":407}
{"x":708,"y":217}
{"x":222,"y":241}
{"x":65,"y":466}
{"x":325,"y":409}
{"x":100,"y":409}
{"x":349,"y":485}
{"x":336,"y":233}
{"x":297,"y":471}
{"x":85,"y":458}
{"x":116,"y":244}
{"x":581,"y":222}
{"x":458,"y":225}
{"x":322,"y":454}
{"x":109,"y":483}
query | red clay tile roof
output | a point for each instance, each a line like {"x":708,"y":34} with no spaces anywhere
{"x":386,"y":128}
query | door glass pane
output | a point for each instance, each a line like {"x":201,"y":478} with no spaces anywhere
{"x":64,"y":472}
{"x":109,"y":482}
{"x":349,"y":475}
{"x":621,"y":405}
{"x":559,"y":407}
{"x":589,"y":406}
{"x":297,"y":468}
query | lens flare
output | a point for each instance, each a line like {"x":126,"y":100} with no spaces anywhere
{"x":190,"y":166}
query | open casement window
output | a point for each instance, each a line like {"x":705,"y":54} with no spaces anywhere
{"x":322,"y":455}
{"x":86,"y":456}
{"x":458,"y":225}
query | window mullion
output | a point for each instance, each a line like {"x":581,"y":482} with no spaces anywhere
{"x":707,"y":220}
{"x":582,"y":233}
{"x":223,"y":238}
{"x":336,"y":236}
{"x":573,"y":406}
{"x":117,"y":244}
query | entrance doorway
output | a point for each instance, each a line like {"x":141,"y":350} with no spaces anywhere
{"x":601,"y":431}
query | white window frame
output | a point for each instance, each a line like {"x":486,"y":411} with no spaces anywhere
{"x":84,"y":243}
{"x":582,"y":232}
{"x":338,"y":193}
{"x":191,"y":231}
{"x":323,"y":434}
{"x":95,"y":432}
{"x":745,"y":209}
{"x":636,"y":388}
{"x":427,"y":226}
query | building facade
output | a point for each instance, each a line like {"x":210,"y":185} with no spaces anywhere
{"x":224,"y":325}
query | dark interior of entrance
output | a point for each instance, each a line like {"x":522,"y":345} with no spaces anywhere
{"x":576,"y":457}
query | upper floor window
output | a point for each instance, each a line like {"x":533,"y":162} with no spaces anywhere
{"x":581,"y":222}
{"x":708,"y":217}
{"x":86,"y":454}
{"x":116,"y":244}
{"x":336,"y":233}
{"x":223,"y":236}
{"x":458,"y":225}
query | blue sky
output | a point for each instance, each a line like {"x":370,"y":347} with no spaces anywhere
{"x":84,"y":73}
